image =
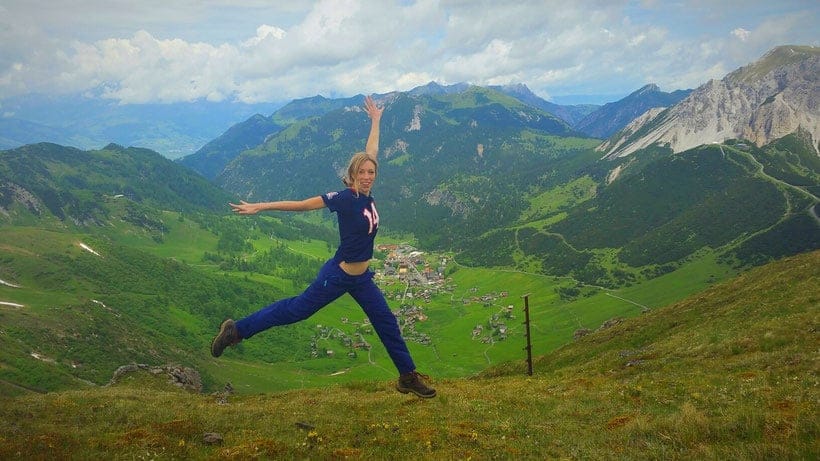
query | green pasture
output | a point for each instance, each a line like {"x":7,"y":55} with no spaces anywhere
{"x":558,"y":199}
{"x":185,"y":239}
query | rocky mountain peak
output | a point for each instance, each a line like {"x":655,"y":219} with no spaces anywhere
{"x":777,"y":57}
{"x":650,"y":88}
{"x":766,"y":100}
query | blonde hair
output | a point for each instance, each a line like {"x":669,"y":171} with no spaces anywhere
{"x":353,"y":167}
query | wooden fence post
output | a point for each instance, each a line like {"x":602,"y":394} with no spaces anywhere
{"x":527,"y":332}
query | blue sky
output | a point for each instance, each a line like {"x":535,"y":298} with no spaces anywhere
{"x":264,"y":51}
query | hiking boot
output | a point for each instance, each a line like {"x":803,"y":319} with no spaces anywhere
{"x":412,"y":382}
{"x":228,"y":336}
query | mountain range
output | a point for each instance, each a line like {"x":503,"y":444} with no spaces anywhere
{"x":586,"y":119}
{"x":483,"y":165}
{"x":180,"y":129}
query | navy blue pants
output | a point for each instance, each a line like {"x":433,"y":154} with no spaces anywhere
{"x":331,"y":283}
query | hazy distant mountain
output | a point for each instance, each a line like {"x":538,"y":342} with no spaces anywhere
{"x":435,"y":89}
{"x":612,"y":117}
{"x":300,"y":109}
{"x":174,"y":130}
{"x":761,"y":102}
{"x":212,"y":157}
{"x":572,"y":114}
{"x":15,"y":132}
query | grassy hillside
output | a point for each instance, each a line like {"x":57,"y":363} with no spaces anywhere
{"x":71,"y":184}
{"x":77,"y":306}
{"x":96,"y":281}
{"x":729,"y":373}
{"x":751,"y":205}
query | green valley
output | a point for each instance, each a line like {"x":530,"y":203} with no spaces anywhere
{"x":137,"y":299}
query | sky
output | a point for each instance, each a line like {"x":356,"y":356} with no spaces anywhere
{"x":254,"y":51}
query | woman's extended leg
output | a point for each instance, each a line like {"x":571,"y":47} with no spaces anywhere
{"x":372,"y":301}
{"x":324,"y":290}
{"x":368,"y":295}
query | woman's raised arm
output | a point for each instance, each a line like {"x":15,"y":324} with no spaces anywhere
{"x":375,"y":114}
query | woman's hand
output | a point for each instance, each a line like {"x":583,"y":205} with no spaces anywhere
{"x":245,"y":207}
{"x":373,"y":111}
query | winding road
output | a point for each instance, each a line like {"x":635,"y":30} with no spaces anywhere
{"x":760,"y":171}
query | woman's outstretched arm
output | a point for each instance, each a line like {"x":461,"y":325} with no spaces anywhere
{"x":313,"y":203}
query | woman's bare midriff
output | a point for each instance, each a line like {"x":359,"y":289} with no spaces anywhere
{"x":356,"y":268}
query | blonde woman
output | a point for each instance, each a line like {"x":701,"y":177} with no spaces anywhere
{"x":348,"y":271}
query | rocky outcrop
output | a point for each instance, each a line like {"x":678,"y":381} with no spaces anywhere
{"x":614,"y":143}
{"x":11,"y":193}
{"x":179,"y":376}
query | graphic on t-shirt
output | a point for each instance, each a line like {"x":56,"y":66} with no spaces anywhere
{"x":372,"y":217}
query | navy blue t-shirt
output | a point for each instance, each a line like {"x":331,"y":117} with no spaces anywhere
{"x":358,"y":224}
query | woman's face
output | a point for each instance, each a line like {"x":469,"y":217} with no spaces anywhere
{"x":365,"y":176}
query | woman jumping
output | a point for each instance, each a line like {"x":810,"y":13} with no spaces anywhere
{"x":348,"y":271}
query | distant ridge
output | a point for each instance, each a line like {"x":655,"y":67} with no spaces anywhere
{"x":212,"y":157}
{"x":434,"y":88}
{"x":572,"y":114}
{"x":614,"y":116}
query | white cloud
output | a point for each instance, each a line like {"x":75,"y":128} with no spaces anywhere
{"x":410,"y":80}
{"x":264,"y":32}
{"x":741,"y":34}
{"x":145,"y":69}
{"x":254,"y":51}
